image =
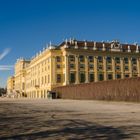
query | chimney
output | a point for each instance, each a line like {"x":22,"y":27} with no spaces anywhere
{"x":137,"y":48}
{"x":103,"y":47}
{"x":94,"y":48}
{"x":129,"y":50}
{"x":76,"y":45}
{"x":73,"y":41}
{"x":85,"y":47}
{"x":51,"y":46}
{"x":70,"y":41}
{"x":66,"y":44}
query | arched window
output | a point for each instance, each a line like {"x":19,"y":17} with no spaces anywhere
{"x":58,"y":59}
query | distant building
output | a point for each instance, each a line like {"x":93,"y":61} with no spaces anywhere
{"x":20,"y":76}
{"x":10,"y":85}
{"x":74,"y":62}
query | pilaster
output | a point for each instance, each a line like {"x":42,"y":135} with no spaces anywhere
{"x":130,"y":66}
{"x":122,"y":67}
{"x":66,"y":69}
{"x":77,"y":69}
{"x":53,"y":74}
{"x":113,"y":67}
{"x":95,"y":69}
{"x":86,"y":69}
{"x":138,"y":66}
{"x":104,"y":67}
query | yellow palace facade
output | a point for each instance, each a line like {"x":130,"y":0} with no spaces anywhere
{"x":74,"y":62}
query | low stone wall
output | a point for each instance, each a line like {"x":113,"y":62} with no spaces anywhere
{"x":117,"y":90}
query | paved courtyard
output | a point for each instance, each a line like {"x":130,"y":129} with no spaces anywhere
{"x":68,"y":120}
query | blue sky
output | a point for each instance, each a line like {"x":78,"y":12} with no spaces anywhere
{"x":27,"y":25}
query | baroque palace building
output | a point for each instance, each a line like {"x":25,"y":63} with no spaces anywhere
{"x":74,"y":62}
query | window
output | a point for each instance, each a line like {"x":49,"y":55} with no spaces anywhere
{"x":109,"y":68}
{"x":135,"y":75}
{"x":48,"y":67}
{"x":72,"y":66}
{"x":72,"y":77}
{"x":100,"y":59}
{"x":108,"y":59}
{"x":82,"y":66}
{"x":126,"y":68}
{"x":110,"y":77}
{"x":58,"y":59}
{"x":90,"y":58}
{"x":118,"y":68}
{"x":91,"y":77}
{"x":48,"y":78}
{"x":100,"y":77}
{"x":134,"y":61}
{"x":71,"y":58}
{"x":117,"y":59}
{"x":82,"y":77}
{"x":81,"y":58}
{"x":91,"y":66}
{"x":126,"y":60}
{"x":118,"y":76}
{"x":100,"y":67}
{"x":134,"y":68}
{"x":126,"y":75}
{"x":58,"y":66}
{"x":58,"y":78}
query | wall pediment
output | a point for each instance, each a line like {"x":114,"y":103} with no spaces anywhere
{"x":116,"y":46}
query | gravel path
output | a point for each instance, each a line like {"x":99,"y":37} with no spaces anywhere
{"x":26,"y":119}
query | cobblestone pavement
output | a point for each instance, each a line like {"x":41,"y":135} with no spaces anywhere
{"x":24,"y":119}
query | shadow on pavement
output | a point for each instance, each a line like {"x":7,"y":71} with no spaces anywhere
{"x":73,"y":129}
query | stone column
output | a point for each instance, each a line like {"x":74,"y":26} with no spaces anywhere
{"x":113,"y":68}
{"x":130,"y":66}
{"x":104,"y":67}
{"x":138,"y":66}
{"x":66,"y":70}
{"x":77,"y":69}
{"x":122,"y":67}
{"x":95,"y":69}
{"x":87,"y":69}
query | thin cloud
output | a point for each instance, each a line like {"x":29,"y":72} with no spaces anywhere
{"x":5,"y":52}
{"x":6,"y":67}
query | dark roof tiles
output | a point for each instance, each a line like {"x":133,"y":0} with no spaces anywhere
{"x":90,"y":44}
